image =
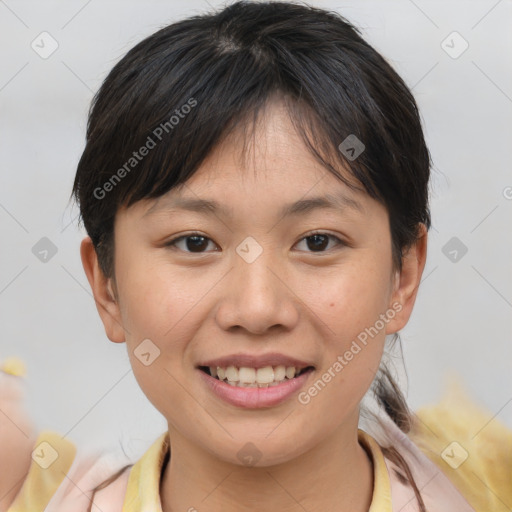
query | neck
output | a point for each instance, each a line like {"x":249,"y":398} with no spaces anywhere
{"x":335,"y":475}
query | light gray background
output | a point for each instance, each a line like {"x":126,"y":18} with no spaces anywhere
{"x":79,"y":383}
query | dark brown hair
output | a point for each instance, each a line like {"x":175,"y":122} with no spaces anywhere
{"x":180,"y":91}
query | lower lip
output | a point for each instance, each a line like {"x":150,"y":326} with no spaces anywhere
{"x":255,"y":398}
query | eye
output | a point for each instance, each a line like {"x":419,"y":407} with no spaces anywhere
{"x":194,"y":242}
{"x":318,"y":241}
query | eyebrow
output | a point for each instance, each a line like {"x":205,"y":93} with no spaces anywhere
{"x":340,"y":202}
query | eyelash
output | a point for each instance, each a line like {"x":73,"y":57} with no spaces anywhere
{"x":172,"y":243}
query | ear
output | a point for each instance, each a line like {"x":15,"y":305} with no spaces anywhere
{"x":104,"y":296}
{"x":407,"y":281}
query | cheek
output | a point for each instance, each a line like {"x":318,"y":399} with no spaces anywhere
{"x":351,"y":305}
{"x":350,"y":300}
{"x":161,"y":310}
{"x":156,"y":298}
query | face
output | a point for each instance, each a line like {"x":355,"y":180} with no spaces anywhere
{"x":315,"y":284}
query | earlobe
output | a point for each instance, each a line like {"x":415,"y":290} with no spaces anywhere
{"x":104,"y":296}
{"x":407,"y":281}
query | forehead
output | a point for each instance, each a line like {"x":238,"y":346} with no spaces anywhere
{"x":262,"y":168}
{"x":271,"y":162}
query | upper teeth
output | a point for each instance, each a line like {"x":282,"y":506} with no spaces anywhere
{"x":247,"y":375}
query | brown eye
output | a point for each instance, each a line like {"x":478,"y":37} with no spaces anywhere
{"x":194,"y":243}
{"x":317,"y":242}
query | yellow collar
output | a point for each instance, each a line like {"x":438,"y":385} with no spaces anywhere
{"x":143,"y":491}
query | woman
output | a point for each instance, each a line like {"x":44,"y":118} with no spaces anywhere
{"x":255,"y":191}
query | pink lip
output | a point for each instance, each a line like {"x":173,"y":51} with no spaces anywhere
{"x":256,"y":361}
{"x":254,"y":398}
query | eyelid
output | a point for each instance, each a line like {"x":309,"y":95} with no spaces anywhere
{"x":172,"y":242}
{"x":320,"y":232}
{"x":339,"y":241}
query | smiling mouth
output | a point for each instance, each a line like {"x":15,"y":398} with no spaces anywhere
{"x":273,"y":376}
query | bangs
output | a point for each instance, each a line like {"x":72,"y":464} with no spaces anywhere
{"x":194,"y":99}
{"x":177,"y":94}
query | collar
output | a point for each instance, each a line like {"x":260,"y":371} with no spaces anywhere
{"x":143,"y":491}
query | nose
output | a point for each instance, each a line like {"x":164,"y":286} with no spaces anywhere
{"x":257,"y":297}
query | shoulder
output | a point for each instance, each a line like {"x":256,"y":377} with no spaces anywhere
{"x":470,"y":445}
{"x":17,"y":437}
{"x":112,"y":496}
{"x":50,"y":458}
{"x":61,"y":479}
{"x":44,"y":470}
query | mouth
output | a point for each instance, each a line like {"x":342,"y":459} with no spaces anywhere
{"x":255,"y":388}
{"x":246,"y":377}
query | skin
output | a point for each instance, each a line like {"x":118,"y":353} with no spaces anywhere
{"x":295,"y":299}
